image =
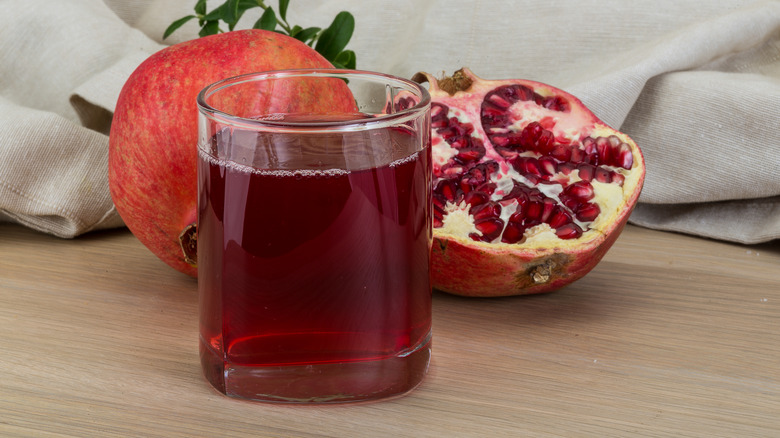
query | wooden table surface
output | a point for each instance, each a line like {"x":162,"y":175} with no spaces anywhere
{"x":670,"y":335}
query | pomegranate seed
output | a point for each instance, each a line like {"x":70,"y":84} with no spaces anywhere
{"x":603,"y":151}
{"x":491,"y":166}
{"x":518,"y":163}
{"x":514,"y":139}
{"x":556,"y":103}
{"x":561,"y":152}
{"x":486,"y":210}
{"x":618,"y":179}
{"x":507,"y":143}
{"x":459,"y":142}
{"x":451,"y":170}
{"x":490,"y":228}
{"x":500,"y":141}
{"x":464,"y":129}
{"x":529,"y":223}
{"x":448,"y":133}
{"x":545,"y":142}
{"x":469,"y":155}
{"x":581,"y":190}
{"x":477,"y":175}
{"x":588,"y":212}
{"x":559,"y":218}
{"x":534,"y":211}
{"x":548,"y":165}
{"x":569,"y":231}
{"x":488,"y":188}
{"x":531,"y":131}
{"x":623,"y":156}
{"x":547,"y":208}
{"x":540,"y":210}
{"x":438,"y":214}
{"x":577,"y":155}
{"x":531,"y":166}
{"x":504,"y":97}
{"x":566,"y":168}
{"x":438,"y":202}
{"x":520,"y":211}
{"x":603,"y":175}
{"x":521,"y":92}
{"x":519,"y":192}
{"x":535,"y":138}
{"x":493,"y":117}
{"x":572,"y":203}
{"x":589,"y":145}
{"x":499,"y":101}
{"x":475,"y":198}
{"x":533,"y":179}
{"x":439,"y":115}
{"x":585,"y":172}
{"x":438,"y":109}
{"x":534,"y":195}
{"x":513,"y":233}
{"x":448,"y":189}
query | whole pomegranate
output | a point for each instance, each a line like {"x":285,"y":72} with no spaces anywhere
{"x":530,"y":188}
{"x":154,"y":134}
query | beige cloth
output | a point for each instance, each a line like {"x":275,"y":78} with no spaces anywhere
{"x":696,"y":83}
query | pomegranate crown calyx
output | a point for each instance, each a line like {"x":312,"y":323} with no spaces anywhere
{"x":461,"y":80}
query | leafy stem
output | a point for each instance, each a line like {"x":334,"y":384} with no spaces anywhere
{"x":329,"y":42}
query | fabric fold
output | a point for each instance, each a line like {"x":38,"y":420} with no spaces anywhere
{"x":70,"y":59}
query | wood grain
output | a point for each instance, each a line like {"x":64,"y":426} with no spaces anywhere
{"x":669,"y":336}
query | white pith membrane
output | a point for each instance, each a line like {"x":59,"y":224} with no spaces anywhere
{"x":568,"y":127}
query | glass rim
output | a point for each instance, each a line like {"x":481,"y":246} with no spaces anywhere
{"x":401,"y":116}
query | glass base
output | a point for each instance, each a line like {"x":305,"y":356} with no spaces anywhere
{"x":342,"y":382}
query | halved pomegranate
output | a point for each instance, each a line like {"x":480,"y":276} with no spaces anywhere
{"x":530,"y":188}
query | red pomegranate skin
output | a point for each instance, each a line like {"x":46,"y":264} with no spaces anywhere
{"x":462,"y":268}
{"x":152,"y":145}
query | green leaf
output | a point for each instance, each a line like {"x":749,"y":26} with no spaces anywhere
{"x":230,"y":13}
{"x":210,"y":28}
{"x":267,"y":21}
{"x":243,"y":5}
{"x":333,"y":39}
{"x":345,"y":59}
{"x":330,"y":42}
{"x":283,"y":9}
{"x":215,"y":14}
{"x":200,"y":7}
{"x":307,"y":34}
{"x":177,"y":24}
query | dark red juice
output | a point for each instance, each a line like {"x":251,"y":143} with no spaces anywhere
{"x":315,"y":268}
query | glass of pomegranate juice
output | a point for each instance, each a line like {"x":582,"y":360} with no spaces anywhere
{"x":314,"y":235}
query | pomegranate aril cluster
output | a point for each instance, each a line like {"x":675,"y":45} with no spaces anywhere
{"x":459,"y":136}
{"x":468,"y":179}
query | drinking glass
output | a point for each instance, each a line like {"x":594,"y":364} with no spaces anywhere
{"x":314,"y":235}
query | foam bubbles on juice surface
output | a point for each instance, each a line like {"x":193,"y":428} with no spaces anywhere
{"x":279,"y":173}
{"x":300,"y":174}
{"x":404,"y":160}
